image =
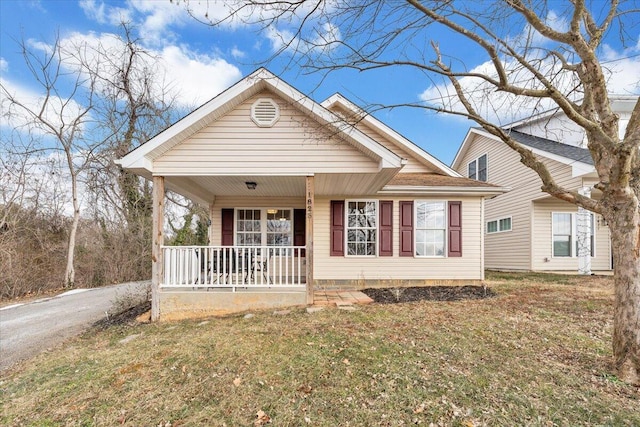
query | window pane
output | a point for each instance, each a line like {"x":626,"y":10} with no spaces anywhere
{"x":562,"y":223}
{"x":561,"y":246}
{"x":505,"y":224}
{"x":361,"y":227}
{"x":482,"y":168}
{"x":492,"y":226}
{"x":472,"y":170}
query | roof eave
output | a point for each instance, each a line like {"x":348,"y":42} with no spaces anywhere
{"x":438,"y":190}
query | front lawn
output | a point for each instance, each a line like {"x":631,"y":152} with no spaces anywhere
{"x":538,"y":353}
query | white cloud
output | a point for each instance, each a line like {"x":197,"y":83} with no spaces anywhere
{"x":237,"y":53}
{"x":195,"y":77}
{"x":59,"y":112}
{"x":4,"y":65}
{"x":198,"y":77}
{"x":321,"y":41}
{"x":500,"y":107}
{"x":94,"y":10}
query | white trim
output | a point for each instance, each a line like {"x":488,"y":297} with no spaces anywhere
{"x":577,"y":168}
{"x":346,"y":228}
{"x":386,"y":131}
{"x":497,"y":221}
{"x":263,"y":224}
{"x":446,"y":228}
{"x":477,"y":162}
{"x":261,"y":79}
{"x":574,"y":233}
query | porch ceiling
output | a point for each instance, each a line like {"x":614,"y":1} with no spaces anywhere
{"x":204,"y":189}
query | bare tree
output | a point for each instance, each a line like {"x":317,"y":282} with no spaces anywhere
{"x":62,"y":113}
{"x":551,"y":63}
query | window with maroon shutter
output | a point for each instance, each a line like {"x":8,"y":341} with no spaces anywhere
{"x":337,"y":228}
{"x":386,"y":228}
{"x":455,"y":229}
{"x":299,"y":229}
{"x":227,"y":227}
{"x":406,"y":228}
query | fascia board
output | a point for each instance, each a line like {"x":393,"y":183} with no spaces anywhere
{"x":137,"y":157}
{"x":437,"y":190}
{"x":387,"y":157}
{"x":141,"y":157}
{"x":467,"y":140}
{"x":388,"y":132}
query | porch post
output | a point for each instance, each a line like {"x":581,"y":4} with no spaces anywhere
{"x":157,"y":240}
{"x":310,"y":201}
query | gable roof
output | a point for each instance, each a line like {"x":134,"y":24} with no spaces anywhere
{"x":421,"y":155}
{"x":579,"y":159}
{"x":565,"y":150}
{"x":140,"y":160}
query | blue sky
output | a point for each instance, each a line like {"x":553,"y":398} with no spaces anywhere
{"x":203,"y":61}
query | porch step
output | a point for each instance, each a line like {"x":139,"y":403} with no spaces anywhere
{"x":340,"y":298}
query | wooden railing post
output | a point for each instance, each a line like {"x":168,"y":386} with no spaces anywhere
{"x":310,"y":202}
{"x":157,"y":240}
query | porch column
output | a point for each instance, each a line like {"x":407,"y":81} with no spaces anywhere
{"x":157,"y":240}
{"x":310,"y":201}
{"x":583,"y":235}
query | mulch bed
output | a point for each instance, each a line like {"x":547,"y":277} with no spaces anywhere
{"x":428,"y":293}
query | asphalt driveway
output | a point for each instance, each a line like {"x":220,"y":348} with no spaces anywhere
{"x":27,"y":329}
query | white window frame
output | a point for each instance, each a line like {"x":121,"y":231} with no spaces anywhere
{"x":347,"y":228}
{"x":263,"y":223}
{"x":415,"y":228}
{"x":476,"y":162}
{"x":498,"y":229}
{"x":573,"y":250}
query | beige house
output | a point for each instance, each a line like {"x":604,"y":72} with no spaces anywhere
{"x":527,"y":229}
{"x":303,"y":196}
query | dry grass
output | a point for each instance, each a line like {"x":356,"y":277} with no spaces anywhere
{"x":537,"y":354}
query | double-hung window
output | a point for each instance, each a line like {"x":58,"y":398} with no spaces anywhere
{"x":430,"y":228}
{"x":562,"y":234}
{"x":362,"y":227}
{"x":565,"y":243}
{"x":268,"y":227}
{"x":477,"y":168}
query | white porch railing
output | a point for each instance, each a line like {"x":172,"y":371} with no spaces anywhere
{"x":233,"y":266}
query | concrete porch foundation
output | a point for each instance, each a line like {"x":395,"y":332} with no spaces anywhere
{"x":176,"y":304}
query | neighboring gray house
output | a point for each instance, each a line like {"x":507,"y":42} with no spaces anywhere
{"x":525,"y":228}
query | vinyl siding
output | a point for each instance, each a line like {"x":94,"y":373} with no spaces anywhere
{"x":507,"y":250}
{"x":413,"y":165}
{"x":522,"y":248}
{"x":234,"y":144}
{"x":215,"y":210}
{"x":467,"y":267}
{"x":543,"y":244}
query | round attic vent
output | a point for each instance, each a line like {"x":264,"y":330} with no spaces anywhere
{"x":265,"y":112}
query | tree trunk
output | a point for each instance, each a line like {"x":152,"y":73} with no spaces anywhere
{"x":625,"y":240}
{"x":70,"y":271}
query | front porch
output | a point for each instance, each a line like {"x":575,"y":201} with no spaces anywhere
{"x":234,"y":267}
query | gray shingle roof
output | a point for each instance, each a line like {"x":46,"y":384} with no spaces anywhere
{"x":569,"y":151}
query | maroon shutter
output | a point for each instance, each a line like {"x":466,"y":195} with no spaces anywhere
{"x":299,"y":229}
{"x":406,"y":228}
{"x":337,"y":228}
{"x":227,"y":227}
{"x":455,"y":229}
{"x":386,"y":228}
